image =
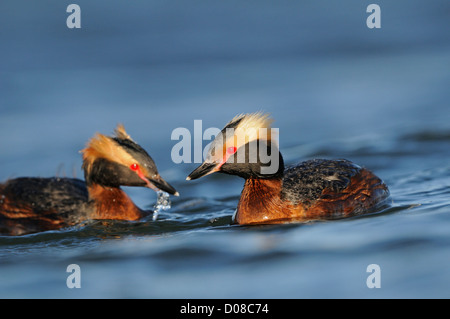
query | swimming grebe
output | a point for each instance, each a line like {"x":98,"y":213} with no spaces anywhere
{"x":29,"y":205}
{"x":314,"y":189}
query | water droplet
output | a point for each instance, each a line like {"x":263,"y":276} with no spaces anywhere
{"x":162,"y":203}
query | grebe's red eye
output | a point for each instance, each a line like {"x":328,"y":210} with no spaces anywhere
{"x":231,"y":150}
{"x":134,"y":167}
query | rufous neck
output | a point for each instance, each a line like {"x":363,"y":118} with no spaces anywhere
{"x":113,"y":203}
{"x":260,"y":199}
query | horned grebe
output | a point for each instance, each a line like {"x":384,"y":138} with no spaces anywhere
{"x":30,"y":205}
{"x":314,"y":189}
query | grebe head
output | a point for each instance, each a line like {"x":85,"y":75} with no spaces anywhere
{"x":247,"y":146}
{"x":120,"y":161}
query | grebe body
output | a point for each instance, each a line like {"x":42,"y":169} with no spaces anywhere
{"x":29,"y":204}
{"x":314,"y":189}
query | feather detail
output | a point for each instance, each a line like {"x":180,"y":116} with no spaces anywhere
{"x":102,"y":146}
{"x":121,"y":133}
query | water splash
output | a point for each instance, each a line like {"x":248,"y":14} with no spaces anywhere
{"x":162,"y":203}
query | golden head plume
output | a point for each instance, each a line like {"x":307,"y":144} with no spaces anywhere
{"x":242,"y":129}
{"x":251,"y":126}
{"x":102,"y":146}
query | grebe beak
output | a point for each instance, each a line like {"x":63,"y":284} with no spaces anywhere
{"x":203,"y":170}
{"x":159,"y":184}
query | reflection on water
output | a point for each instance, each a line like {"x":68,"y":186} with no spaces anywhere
{"x":335,"y":89}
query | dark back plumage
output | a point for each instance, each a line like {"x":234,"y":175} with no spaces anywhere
{"x":32,"y":204}
{"x":306,"y":181}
